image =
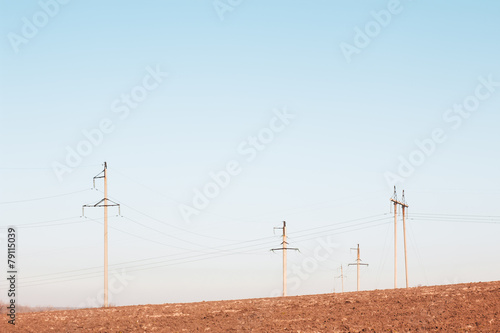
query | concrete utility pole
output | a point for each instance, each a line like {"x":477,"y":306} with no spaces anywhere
{"x":104,"y":203}
{"x":284,"y":248}
{"x":358,"y":263}
{"x":105,"y":234}
{"x":342,"y":277}
{"x":404,"y":237}
{"x":395,"y":241}
{"x":403,"y":205}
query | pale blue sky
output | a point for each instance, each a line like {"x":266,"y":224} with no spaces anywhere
{"x":353,"y":120}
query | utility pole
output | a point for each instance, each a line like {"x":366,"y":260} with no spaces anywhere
{"x":395,"y":239}
{"x":284,"y":248}
{"x":358,"y":263}
{"x":403,"y":205}
{"x":105,"y":171}
{"x":342,"y":277}
{"x":104,"y":203}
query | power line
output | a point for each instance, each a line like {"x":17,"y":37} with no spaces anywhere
{"x":146,"y":239}
{"x":324,"y":232}
{"x":227,"y":250}
{"x":338,"y":223}
{"x":457,"y":218}
{"x":384,"y":258}
{"x":416,"y":249}
{"x":457,"y":215}
{"x":42,"y":198}
{"x":219,"y":250}
{"x":177,"y":238}
{"x":45,"y":168}
{"x":168,"y":224}
{"x":159,"y":264}
{"x":164,"y":263}
{"x":50,"y":225}
{"x":205,"y":256}
{"x":160,"y":257}
{"x":42,"y":222}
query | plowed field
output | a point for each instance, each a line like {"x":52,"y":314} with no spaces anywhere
{"x":472,"y":307}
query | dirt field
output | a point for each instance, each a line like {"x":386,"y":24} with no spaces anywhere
{"x":473,"y":307}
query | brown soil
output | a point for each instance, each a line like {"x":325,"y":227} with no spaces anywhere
{"x":472,"y":307}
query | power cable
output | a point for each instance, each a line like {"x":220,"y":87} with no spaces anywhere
{"x":42,"y":198}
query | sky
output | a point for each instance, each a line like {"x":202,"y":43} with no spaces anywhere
{"x":219,"y":120}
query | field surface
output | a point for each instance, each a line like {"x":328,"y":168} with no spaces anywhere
{"x":472,"y":307}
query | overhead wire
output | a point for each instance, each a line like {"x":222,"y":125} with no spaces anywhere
{"x":485,"y":219}
{"x":384,"y":256}
{"x":43,"y":222}
{"x":144,"y":238}
{"x":42,"y":198}
{"x":325,"y":232}
{"x":177,"y":238}
{"x":47,"y":168}
{"x":165,"y":223}
{"x":134,"y":268}
{"x":413,"y":242}
{"x":173,"y":261}
{"x":205,"y":256}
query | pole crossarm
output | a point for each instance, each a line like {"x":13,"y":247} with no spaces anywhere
{"x":286,"y":248}
{"x":399,"y":203}
{"x":98,"y":204}
{"x":355,"y":264}
{"x":100,"y":175}
{"x":358,"y":263}
{"x":101,"y":204}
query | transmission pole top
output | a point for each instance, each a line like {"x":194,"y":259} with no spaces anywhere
{"x":395,"y":199}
